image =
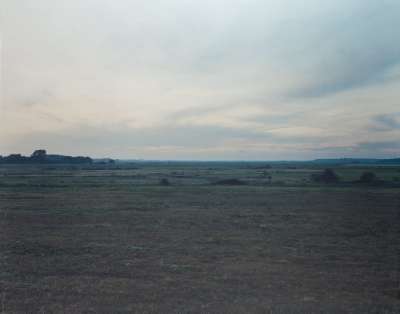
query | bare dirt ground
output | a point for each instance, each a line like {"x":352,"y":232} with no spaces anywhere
{"x":115,"y":247}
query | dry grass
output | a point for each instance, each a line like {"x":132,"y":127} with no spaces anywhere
{"x":112,"y":247}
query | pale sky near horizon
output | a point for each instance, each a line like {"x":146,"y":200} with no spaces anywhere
{"x":207,"y":80}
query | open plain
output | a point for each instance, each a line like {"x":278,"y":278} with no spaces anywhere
{"x":119,"y":239}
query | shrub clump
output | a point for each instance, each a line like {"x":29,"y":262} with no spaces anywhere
{"x":164,"y":182}
{"x":327,"y":176}
{"x":368,"y":177}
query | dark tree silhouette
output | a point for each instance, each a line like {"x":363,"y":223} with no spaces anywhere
{"x":327,"y":176}
{"x":165,"y":182}
{"x":368,"y":177}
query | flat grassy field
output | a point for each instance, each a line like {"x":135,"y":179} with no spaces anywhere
{"x":112,"y":239}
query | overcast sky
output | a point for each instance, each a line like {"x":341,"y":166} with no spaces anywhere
{"x":218,"y":79}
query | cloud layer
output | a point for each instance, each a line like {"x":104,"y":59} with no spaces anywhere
{"x":241,"y":79}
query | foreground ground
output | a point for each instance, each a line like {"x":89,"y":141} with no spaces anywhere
{"x":112,"y":240}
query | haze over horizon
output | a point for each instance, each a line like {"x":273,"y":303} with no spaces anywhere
{"x":209,"y":80}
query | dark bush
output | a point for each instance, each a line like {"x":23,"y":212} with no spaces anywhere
{"x":368,"y":177}
{"x":164,"y":182}
{"x":265,"y":173}
{"x":327,"y":176}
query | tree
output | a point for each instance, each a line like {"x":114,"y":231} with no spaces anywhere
{"x":327,"y":176}
{"x":39,"y":153}
{"x":368,"y":177}
{"x":164,"y":181}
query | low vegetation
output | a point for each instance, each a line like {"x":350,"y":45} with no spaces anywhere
{"x":164,"y":182}
{"x":326,"y":176}
{"x":230,"y":182}
{"x":40,"y":156}
{"x":112,"y":239}
{"x":368,"y":177}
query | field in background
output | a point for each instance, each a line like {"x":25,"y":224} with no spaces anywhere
{"x":112,"y":239}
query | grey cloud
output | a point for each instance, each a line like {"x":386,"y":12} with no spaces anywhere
{"x":121,"y":139}
{"x":386,"y":122}
{"x":376,"y":146}
{"x":276,"y":119}
{"x":383,"y":149}
{"x":67,"y":63}
{"x":348,"y":51}
{"x":190,"y":141}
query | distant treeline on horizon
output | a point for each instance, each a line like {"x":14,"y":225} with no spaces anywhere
{"x":40,"y":156}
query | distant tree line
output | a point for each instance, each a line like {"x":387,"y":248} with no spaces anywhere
{"x":41,"y":157}
{"x":329,"y":176}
